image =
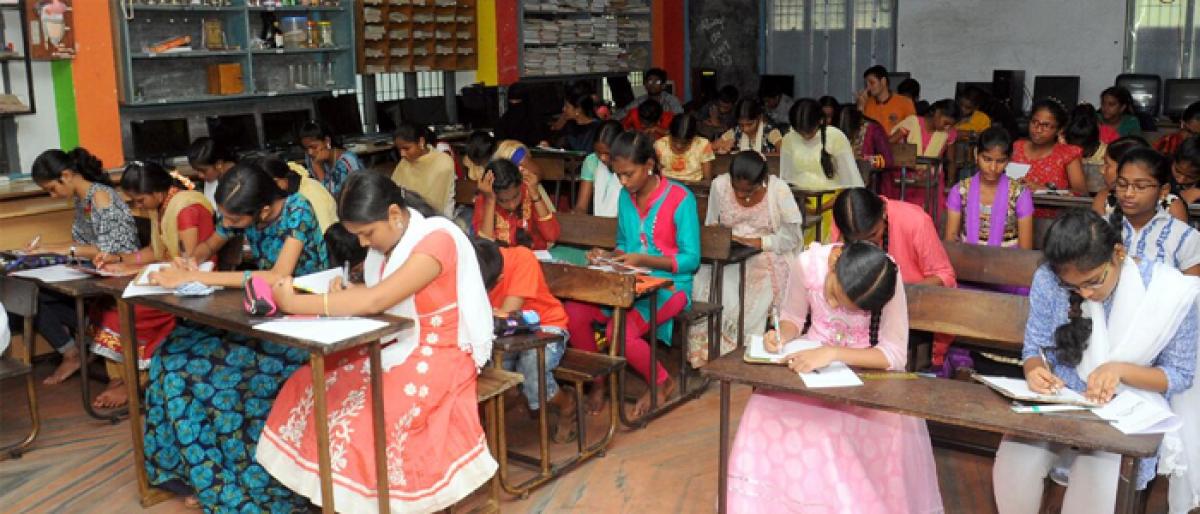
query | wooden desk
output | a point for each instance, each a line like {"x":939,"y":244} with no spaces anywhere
{"x":953,"y":402}
{"x":224,"y":310}
{"x":80,"y":291}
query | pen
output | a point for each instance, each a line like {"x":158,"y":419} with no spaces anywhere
{"x":1043,"y":409}
{"x":1046,"y":363}
{"x":33,"y":243}
{"x":345,"y":274}
{"x":778,"y":332}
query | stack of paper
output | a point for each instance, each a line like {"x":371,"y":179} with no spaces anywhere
{"x":1132,"y":414}
{"x":321,"y":330}
{"x":836,"y":374}
{"x":56,"y":273}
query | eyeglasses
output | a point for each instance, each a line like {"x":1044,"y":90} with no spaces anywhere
{"x":1140,"y":187}
{"x":1091,"y":285}
{"x":1043,"y":124}
{"x":654,"y":82}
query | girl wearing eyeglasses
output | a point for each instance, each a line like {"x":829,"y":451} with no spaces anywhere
{"x":1143,"y":200}
{"x":1103,"y":323}
{"x":1053,"y":164}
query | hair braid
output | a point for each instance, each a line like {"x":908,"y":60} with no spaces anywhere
{"x":1072,"y":336}
{"x":876,"y":315}
{"x":826,"y":157}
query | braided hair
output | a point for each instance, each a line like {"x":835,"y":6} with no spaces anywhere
{"x":1082,"y":239}
{"x":857,"y":212}
{"x":868,"y":277}
{"x":806,"y":116}
{"x":1159,"y":168}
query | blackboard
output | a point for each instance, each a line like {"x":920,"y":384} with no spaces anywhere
{"x":723,"y":35}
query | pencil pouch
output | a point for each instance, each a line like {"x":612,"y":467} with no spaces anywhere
{"x":12,"y":262}
{"x":258,"y":299}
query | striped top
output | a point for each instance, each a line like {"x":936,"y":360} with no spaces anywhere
{"x":1163,"y":239}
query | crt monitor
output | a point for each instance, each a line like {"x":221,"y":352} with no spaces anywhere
{"x":622,"y":90}
{"x":387,"y":114}
{"x":340,"y":114}
{"x":160,"y":139}
{"x":237,"y":132}
{"x":1144,"y":89}
{"x":785,"y":84}
{"x":281,"y":129}
{"x":1178,"y":94}
{"x":425,"y":111}
{"x":1063,"y":88}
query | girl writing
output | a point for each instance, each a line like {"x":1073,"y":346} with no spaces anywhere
{"x":752,"y":131}
{"x":684,"y":154}
{"x":424,"y":170}
{"x":293,"y":179}
{"x":598,"y":186}
{"x":211,"y":160}
{"x":817,"y":157}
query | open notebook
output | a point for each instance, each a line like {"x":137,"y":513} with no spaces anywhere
{"x":1018,"y":389}
{"x":836,"y":374}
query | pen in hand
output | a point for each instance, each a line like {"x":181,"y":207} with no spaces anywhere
{"x":1046,"y":364}
{"x":345,"y":274}
{"x":778,"y":332}
{"x":33,"y":243}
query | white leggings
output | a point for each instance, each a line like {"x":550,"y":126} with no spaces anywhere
{"x":1018,"y":477}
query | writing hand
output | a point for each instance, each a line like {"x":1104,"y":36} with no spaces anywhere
{"x":1041,"y":381}
{"x":804,"y":361}
{"x":771,"y":341}
{"x":1103,"y":382}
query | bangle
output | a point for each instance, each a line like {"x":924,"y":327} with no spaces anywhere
{"x":245,"y":277}
{"x":547,"y":218}
{"x":325,"y":303}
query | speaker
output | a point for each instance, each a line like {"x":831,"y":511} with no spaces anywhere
{"x":1008,"y":88}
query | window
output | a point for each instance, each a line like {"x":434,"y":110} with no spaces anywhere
{"x":788,"y":15}
{"x":872,"y":15}
{"x":829,"y":14}
{"x":826,"y":44}
{"x":1160,"y":38}
{"x":429,"y":83}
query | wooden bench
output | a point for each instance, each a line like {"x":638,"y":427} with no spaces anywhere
{"x":985,"y":318}
{"x":991,"y":265}
{"x":20,"y":298}
{"x":490,"y":385}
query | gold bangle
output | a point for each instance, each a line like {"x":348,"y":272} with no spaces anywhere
{"x":325,"y":302}
{"x":547,"y":218}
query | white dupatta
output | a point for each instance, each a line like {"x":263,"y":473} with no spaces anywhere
{"x":1145,"y":319}
{"x":606,"y":191}
{"x":474,"y":310}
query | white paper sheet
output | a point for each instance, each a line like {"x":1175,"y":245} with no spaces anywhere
{"x":1016,"y":170}
{"x":56,"y":273}
{"x":326,"y":331}
{"x":836,"y":374}
{"x":1018,"y":389}
{"x":140,"y":285}
{"x":1133,"y":415}
{"x":756,"y":351}
{"x":543,"y":255}
{"x":317,"y":283}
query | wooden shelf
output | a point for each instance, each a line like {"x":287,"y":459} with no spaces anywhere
{"x":400,"y":34}
{"x":194,"y":54}
{"x":183,"y":8}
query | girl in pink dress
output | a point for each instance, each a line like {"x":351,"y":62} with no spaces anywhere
{"x":797,"y":454}
{"x":424,"y":268}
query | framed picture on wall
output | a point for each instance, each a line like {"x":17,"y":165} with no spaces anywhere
{"x":51,"y":29}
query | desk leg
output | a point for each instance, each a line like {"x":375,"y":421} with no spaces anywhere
{"x":317,"y":362}
{"x":741,"y":304}
{"x":1127,"y":486}
{"x":85,"y":382}
{"x":129,"y":350}
{"x":543,"y":422}
{"x":377,"y":413}
{"x":723,"y":466}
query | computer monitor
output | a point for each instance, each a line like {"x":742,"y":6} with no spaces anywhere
{"x":1178,"y":94}
{"x":387,"y":115}
{"x":896,"y":77}
{"x":621,"y":89}
{"x":1063,"y":88}
{"x":160,"y":139}
{"x":340,"y":114}
{"x":280,"y":129}
{"x":430,"y":110}
{"x":1144,"y":89}
{"x":237,"y":132}
{"x":961,"y":87}
{"x":785,"y":84}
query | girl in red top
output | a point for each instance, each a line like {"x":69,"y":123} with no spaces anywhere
{"x":1053,"y":164}
{"x":507,"y":213}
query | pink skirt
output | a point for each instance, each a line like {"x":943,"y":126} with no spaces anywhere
{"x":796,"y":454}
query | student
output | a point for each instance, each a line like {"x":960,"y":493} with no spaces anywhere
{"x":325,"y":158}
{"x":975,"y":202}
{"x":520,"y":120}
{"x":829,"y":109}
{"x":1148,"y":230}
{"x":798,"y":454}
{"x":195,"y":360}
{"x":514,"y":280}
{"x":477,"y":152}
{"x":717,"y":116}
{"x":1105,"y":202}
{"x":509,"y":210}
{"x":576,"y":127}
{"x":599,"y":188}
{"x":1053,"y":164}
{"x":933,"y":134}
{"x":877,"y":102}
{"x":684,"y":154}
{"x":1083,"y":130}
{"x":1102,"y":321}
{"x":907,"y":233}
{"x":181,"y":220}
{"x":344,"y":250}
{"x":211,"y":160}
{"x":816,"y":157}
{"x":1186,"y":168}
{"x":422,"y":267}
{"x":424,"y":170}
{"x":866,"y":137}
{"x":1116,"y":113}
{"x":650,"y":118}
{"x":655,"y":82}
{"x":763,"y":214}
{"x":970,"y":105}
{"x":911,"y":89}
{"x":1189,"y":126}
{"x":776,"y":104}
{"x":102,"y":225}
{"x":657,"y":228}
{"x":293,"y":179}
{"x":752,"y":131}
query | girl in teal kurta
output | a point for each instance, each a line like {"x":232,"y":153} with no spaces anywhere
{"x":657,"y":228}
{"x":210,"y":391}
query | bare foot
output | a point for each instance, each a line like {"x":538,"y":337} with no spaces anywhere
{"x":596,"y":399}
{"x":70,"y":364}
{"x":115,"y":395}
{"x":664,"y":391}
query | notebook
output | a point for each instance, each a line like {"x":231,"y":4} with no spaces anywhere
{"x":836,"y":374}
{"x":1018,"y":389}
{"x":316,"y":283}
{"x":756,"y":351}
{"x":326,"y":331}
{"x":1132,"y":414}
